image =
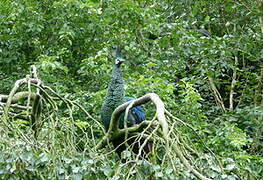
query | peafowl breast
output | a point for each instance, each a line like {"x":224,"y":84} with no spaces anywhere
{"x":115,"y":97}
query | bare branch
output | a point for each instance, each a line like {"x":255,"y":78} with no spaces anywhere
{"x":15,"y":88}
{"x":121,"y":132}
{"x":217,"y":95}
{"x":16,"y":106}
{"x":233,"y":83}
{"x":17,"y":97}
{"x":186,"y":163}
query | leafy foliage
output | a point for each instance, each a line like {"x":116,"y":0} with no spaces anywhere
{"x":203,"y":58}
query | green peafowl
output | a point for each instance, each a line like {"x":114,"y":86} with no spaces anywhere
{"x":114,"y":98}
{"x":115,"y":94}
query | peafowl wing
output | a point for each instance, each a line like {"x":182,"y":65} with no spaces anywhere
{"x":135,"y":115}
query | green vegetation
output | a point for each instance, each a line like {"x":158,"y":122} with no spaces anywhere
{"x":203,"y":58}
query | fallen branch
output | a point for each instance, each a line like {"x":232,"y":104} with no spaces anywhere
{"x":15,"y":106}
{"x":17,"y":97}
{"x":114,"y":132}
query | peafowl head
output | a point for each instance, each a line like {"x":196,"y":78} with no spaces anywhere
{"x":117,"y":54}
{"x":118,"y":61}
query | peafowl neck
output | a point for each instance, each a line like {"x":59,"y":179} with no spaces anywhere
{"x":114,"y":97}
{"x":116,"y":87}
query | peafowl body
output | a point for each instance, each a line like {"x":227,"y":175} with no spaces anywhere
{"x":114,"y":98}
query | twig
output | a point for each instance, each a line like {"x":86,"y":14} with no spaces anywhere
{"x":187,"y":125}
{"x":66,"y":101}
{"x":140,"y":151}
{"x":15,"y":115}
